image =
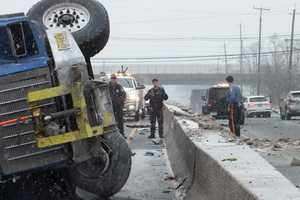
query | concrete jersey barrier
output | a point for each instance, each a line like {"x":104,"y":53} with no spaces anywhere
{"x":210,"y":168}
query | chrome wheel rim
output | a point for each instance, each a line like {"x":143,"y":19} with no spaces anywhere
{"x":73,"y":17}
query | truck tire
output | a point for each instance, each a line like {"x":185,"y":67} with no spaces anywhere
{"x":113,"y":178}
{"x":87,"y":20}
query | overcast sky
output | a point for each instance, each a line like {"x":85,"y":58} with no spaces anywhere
{"x":138,"y":27}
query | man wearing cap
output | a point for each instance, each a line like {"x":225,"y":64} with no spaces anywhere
{"x":234,"y":98}
{"x":118,"y":97}
{"x":156,"y":95}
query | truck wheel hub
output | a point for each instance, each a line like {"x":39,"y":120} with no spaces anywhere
{"x":66,"y":19}
{"x":96,"y":166}
{"x":72,"y":16}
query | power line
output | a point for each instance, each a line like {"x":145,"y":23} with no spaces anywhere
{"x":191,"y":57}
{"x":171,"y":61}
{"x":195,"y":17}
{"x":166,"y":39}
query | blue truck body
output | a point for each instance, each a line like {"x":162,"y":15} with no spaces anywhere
{"x":18,"y":75}
{"x":10,"y":64}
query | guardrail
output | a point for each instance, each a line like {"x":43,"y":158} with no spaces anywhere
{"x":210,"y":168}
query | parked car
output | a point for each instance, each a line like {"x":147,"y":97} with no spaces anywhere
{"x":259,"y":106}
{"x":216,"y":104}
{"x":290,"y":105}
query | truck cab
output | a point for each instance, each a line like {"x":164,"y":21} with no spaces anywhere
{"x":25,"y":66}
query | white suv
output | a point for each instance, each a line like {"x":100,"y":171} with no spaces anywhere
{"x":259,"y":106}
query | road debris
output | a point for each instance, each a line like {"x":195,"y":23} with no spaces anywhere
{"x":229,"y":159}
{"x":181,"y":183}
{"x":138,"y":125}
{"x":157,"y":141}
{"x":170,"y":178}
{"x":295,"y":162}
{"x":178,"y":111}
{"x":148,"y":153}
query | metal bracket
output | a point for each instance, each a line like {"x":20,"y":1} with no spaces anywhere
{"x":85,"y":130}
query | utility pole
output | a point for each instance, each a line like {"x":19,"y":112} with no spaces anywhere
{"x":226,"y":63}
{"x":241,"y":57}
{"x":261,"y":9}
{"x":291,"y":50}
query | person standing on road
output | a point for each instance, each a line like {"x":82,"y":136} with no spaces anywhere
{"x":118,"y":97}
{"x":234,"y":98}
{"x":156,"y":95}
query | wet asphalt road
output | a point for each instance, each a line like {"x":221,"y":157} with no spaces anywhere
{"x":148,"y":179}
{"x":273,"y":129}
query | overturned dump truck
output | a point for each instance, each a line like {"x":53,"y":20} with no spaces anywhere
{"x":52,"y":113}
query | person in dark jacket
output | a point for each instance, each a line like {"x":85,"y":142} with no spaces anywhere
{"x":156,"y":95}
{"x":234,"y":98}
{"x":118,"y":97}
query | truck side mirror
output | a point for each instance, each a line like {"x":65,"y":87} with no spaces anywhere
{"x":203,"y":98}
{"x":140,"y":87}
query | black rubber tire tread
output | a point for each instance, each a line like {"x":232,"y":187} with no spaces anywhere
{"x":94,"y":36}
{"x":116,"y":176}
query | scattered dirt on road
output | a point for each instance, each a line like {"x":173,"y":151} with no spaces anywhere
{"x":274,"y":145}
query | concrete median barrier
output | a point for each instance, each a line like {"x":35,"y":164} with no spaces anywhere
{"x":211,"y":168}
{"x":181,"y":151}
